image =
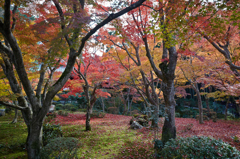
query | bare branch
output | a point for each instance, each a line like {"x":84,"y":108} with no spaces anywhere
{"x":13,"y":106}
{"x":62,"y":22}
{"x":107,"y":20}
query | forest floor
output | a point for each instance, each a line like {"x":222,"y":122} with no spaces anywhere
{"x":111,"y":137}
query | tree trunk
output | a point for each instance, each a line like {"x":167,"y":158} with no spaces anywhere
{"x":103,"y":106}
{"x":15,"y":117}
{"x":34,"y":140}
{"x":155,"y":118}
{"x":90,"y":110}
{"x":169,"y":128}
{"x":200,"y":108}
{"x":88,"y":126}
{"x":207,"y":104}
{"x":226,"y":109}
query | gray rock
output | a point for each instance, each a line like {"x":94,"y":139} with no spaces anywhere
{"x":136,"y":125}
{"x":2,"y":112}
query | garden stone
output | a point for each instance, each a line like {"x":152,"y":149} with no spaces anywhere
{"x":2,"y":112}
{"x":136,"y":125}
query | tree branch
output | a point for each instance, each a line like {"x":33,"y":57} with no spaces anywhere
{"x":7,"y":15}
{"x":148,"y":54}
{"x":13,"y":18}
{"x":232,"y":65}
{"x":59,"y":9}
{"x":6,"y":50}
{"x":107,"y":20}
{"x":13,"y":106}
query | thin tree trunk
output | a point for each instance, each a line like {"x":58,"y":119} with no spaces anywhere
{"x":226,"y":109}
{"x":88,"y":126}
{"x":103,"y":106}
{"x":15,"y":117}
{"x":207,"y":104}
{"x":200,"y":108}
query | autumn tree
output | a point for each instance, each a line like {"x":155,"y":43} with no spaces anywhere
{"x":193,"y":69}
{"x":71,"y":19}
{"x":130,"y":54}
{"x":90,"y":75}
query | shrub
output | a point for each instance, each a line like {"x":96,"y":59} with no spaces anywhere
{"x":113,"y":110}
{"x":59,"y":106}
{"x":65,"y":113}
{"x":62,"y":113}
{"x":177,"y":115}
{"x":73,"y":109}
{"x":82,"y":110}
{"x":61,"y":148}
{"x":197,"y":147}
{"x":68,"y":106}
{"x":97,"y":114}
{"x":51,"y":132}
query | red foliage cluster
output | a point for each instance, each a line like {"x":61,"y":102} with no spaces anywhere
{"x":80,"y":119}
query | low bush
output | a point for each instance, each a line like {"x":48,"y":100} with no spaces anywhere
{"x":177,"y":115}
{"x":196,"y":147}
{"x":61,"y":148}
{"x":97,"y":114}
{"x":113,"y":110}
{"x":69,"y":106}
{"x":51,"y":132}
{"x":62,"y":113}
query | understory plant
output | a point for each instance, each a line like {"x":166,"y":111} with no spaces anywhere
{"x":61,"y":148}
{"x":51,"y":132}
{"x":196,"y":147}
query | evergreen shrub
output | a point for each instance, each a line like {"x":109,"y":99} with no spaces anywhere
{"x":61,"y":148}
{"x":196,"y":147}
{"x":51,"y":132}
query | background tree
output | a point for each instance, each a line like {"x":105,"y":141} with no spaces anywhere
{"x":90,"y":76}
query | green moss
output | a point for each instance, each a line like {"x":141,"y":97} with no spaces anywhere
{"x":12,"y":137}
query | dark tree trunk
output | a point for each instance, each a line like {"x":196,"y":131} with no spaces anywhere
{"x":155,"y":117}
{"x":15,"y":117}
{"x":169,"y":129}
{"x":226,"y":109}
{"x":34,"y":140}
{"x":88,"y":126}
{"x":207,"y":104}
{"x":200,"y":108}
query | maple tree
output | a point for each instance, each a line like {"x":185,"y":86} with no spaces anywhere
{"x":68,"y":24}
{"x":138,"y":73}
{"x":90,"y":76}
{"x":192,"y":70}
